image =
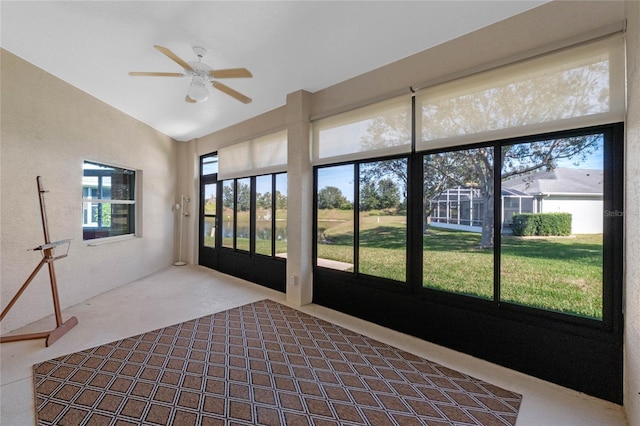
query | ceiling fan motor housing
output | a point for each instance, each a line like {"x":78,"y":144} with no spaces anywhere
{"x":199,"y":51}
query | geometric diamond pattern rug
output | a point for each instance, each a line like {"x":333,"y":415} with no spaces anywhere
{"x":262,"y":363}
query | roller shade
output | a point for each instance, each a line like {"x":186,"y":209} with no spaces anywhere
{"x":571,"y":88}
{"x":266,"y":154}
{"x":383,"y":128}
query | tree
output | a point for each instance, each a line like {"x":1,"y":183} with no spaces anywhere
{"x":331,"y":197}
{"x":388,"y":194}
{"x":281,"y":201}
{"x":227,"y":195}
{"x":368,"y":196}
{"x":243,"y":200}
{"x":263,"y":201}
{"x":244,"y":197}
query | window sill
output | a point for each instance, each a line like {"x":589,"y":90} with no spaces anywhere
{"x":109,"y":240}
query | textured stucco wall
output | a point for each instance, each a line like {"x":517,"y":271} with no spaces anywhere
{"x":632,"y":219}
{"x":49,"y":128}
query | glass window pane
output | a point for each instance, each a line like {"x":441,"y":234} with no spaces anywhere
{"x":264,"y":214}
{"x":121,"y":220}
{"x":228,"y":209}
{"x":551,"y":248}
{"x":382,"y":234}
{"x":281,"y":214}
{"x":105,"y":188}
{"x":210,"y":165}
{"x":335,"y":217}
{"x":114,"y":190}
{"x":458,"y":221}
{"x":210,"y":215}
{"x":243,"y":213}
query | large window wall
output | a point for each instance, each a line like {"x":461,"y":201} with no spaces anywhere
{"x":484,"y":213}
{"x":246,"y":200}
{"x":362,"y":222}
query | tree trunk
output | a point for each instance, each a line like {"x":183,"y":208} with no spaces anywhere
{"x":487,"y":221}
{"x":425,"y":216}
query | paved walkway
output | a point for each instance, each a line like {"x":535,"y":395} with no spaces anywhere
{"x":326,"y":263}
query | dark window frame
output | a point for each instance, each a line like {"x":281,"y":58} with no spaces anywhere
{"x":252,"y":215}
{"x":611,"y":321}
{"x":91,"y":234}
{"x":383,"y":283}
{"x":208,"y":179}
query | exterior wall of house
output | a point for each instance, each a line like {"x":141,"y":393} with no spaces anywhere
{"x":586,"y":214}
{"x":49,"y":128}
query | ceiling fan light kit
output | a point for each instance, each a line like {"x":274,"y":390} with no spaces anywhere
{"x":201,"y":75}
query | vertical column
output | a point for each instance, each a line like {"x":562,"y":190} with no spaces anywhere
{"x":187,"y":185}
{"x":632,"y":218}
{"x":299,"y":200}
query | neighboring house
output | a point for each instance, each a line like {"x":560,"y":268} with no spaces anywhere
{"x":567,"y":190}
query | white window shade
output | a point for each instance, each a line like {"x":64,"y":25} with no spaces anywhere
{"x":267,"y":154}
{"x":383,"y":128}
{"x":572,"y":88}
{"x":270,"y":153}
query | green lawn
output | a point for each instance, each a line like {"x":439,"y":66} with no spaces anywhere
{"x":561,"y":274}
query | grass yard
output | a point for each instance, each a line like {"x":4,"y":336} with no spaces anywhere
{"x":560,"y":274}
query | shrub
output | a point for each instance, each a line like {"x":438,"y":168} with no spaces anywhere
{"x":544,"y":224}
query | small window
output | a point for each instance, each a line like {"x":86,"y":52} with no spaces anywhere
{"x":108,"y":201}
{"x":210,"y":164}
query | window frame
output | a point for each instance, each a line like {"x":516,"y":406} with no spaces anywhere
{"x":134,"y":209}
{"x":252,"y":214}
{"x":208,"y":179}
{"x":612,"y":265}
{"x":377,"y":281}
{"x":612,"y":249}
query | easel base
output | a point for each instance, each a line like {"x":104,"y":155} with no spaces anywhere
{"x":50,"y":336}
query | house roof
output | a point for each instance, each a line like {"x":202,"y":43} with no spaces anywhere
{"x":560,"y":180}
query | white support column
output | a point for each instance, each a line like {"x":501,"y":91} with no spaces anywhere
{"x":299,"y":200}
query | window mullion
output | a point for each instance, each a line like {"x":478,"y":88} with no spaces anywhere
{"x":497,"y":220}
{"x":274,"y":205}
{"x":356,"y":219}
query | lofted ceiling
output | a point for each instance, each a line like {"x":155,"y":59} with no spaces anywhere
{"x":287,"y":46}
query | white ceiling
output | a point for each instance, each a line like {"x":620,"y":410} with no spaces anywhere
{"x":287,"y":45}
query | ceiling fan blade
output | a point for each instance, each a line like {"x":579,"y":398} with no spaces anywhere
{"x":174,"y":57}
{"x":231,"y":73}
{"x":155,"y":74}
{"x":229,"y":91}
{"x":189,"y":99}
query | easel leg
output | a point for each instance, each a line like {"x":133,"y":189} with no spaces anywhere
{"x":54,"y":289}
{"x":22,"y":289}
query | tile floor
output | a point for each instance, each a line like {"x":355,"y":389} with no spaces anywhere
{"x":177,"y":294}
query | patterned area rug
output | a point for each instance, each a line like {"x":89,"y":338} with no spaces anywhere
{"x":262,"y":363}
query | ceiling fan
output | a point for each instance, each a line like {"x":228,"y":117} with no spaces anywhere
{"x":201,"y":75}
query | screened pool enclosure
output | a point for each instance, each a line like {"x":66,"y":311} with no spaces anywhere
{"x":463,"y":208}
